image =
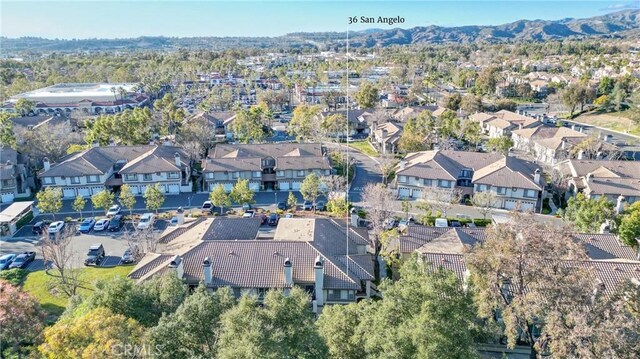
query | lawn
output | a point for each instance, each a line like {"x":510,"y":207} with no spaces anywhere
{"x":38,"y":284}
{"x":364,"y":147}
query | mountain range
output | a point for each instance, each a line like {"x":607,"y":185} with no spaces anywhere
{"x":622,"y":24}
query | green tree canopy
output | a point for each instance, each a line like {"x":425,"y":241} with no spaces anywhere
{"x":310,"y":187}
{"x":130,"y":127}
{"x":304,"y":124}
{"x":241,"y":194}
{"x":103,"y":200}
{"x":154,"y":197}
{"x":367,"y":95}
{"x":219,"y":197}
{"x":629,"y":228}
{"x":500,"y":144}
{"x":7,"y":136}
{"x":126,"y":198}
{"x":50,"y":200}
{"x":587,"y":215}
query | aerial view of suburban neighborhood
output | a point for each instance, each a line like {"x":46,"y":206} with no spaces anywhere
{"x":317,"y":179}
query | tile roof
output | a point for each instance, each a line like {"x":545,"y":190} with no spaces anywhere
{"x":606,"y":247}
{"x":452,"y":262}
{"x":95,"y":160}
{"x":147,"y":265}
{"x":157,"y":159}
{"x":224,"y":228}
{"x":508,"y":172}
{"x":579,"y":168}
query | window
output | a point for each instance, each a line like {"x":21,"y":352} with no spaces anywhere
{"x":93,"y":178}
{"x":261,"y":292}
{"x":173,"y":175}
{"x":210,"y":175}
{"x":466,"y":174}
{"x":501,"y":190}
{"x":75,"y":180}
{"x":131,"y":177}
{"x":327,"y":172}
{"x":257,"y":174}
{"x":235,"y":174}
{"x":530,"y":193}
{"x":334,"y":294}
{"x":443,"y":183}
{"x":427,"y":182}
{"x":301,"y":173}
{"x":48,"y":180}
{"x":280,"y":173}
{"x":147,"y":177}
{"x":402,"y":179}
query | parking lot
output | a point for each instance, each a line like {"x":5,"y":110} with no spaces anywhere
{"x":115,"y":243}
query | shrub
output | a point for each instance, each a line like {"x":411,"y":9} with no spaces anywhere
{"x":14,"y":276}
{"x":362,"y":213}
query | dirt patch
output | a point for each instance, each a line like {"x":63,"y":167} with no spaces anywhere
{"x":610,"y":121}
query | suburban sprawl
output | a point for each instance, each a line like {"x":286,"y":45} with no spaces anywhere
{"x":461,"y":198}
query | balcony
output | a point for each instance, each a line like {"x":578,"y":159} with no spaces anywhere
{"x":268,"y":177}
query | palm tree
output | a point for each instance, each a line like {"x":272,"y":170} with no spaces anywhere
{"x":113,"y":90}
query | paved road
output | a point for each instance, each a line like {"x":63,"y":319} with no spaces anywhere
{"x":367,"y":171}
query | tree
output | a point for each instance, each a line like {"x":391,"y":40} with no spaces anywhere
{"x":154,"y":197}
{"x":241,"y":194}
{"x":304,"y":124}
{"x":386,"y":163}
{"x":171,"y":114}
{"x":471,"y":132}
{"x":505,"y":104}
{"x":605,"y":86}
{"x":7,"y":136}
{"x":634,"y":107}
{"x":574,"y":95}
{"x":452,"y":102}
{"x":103,"y":200}
{"x":406,"y":206}
{"x":523,"y":273}
{"x":310,"y":187}
{"x":78,"y":204}
{"x":126,"y":198}
{"x":442,"y":199}
{"x":219,"y":197}
{"x":196,"y":135}
{"x":487,"y":81}
{"x":59,"y":252}
{"x":629,"y":228}
{"x":25,"y":106}
{"x":129,"y":127}
{"x":247,"y":329}
{"x":338,"y":206}
{"x":587,"y":215}
{"x":47,"y":140}
{"x":449,"y":124}
{"x":471,"y":104}
{"x":50,"y":201}
{"x":292,"y":202}
{"x":367,"y":95}
{"x":98,"y":334}
{"x":335,"y":124}
{"x":500,"y":144}
{"x":248,"y":125}
{"x":381,"y":201}
{"x":484,"y":202}
{"x":193,"y":330}
{"x":426,"y":313}
{"x":21,"y":319}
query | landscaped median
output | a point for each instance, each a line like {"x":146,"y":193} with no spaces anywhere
{"x":42,"y":286}
{"x":364,"y":147}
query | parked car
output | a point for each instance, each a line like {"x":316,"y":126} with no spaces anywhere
{"x":320,"y":206}
{"x":5,"y":261}
{"x":441,"y":222}
{"x":101,"y":225}
{"x":87,"y":225}
{"x":263,"y":218}
{"x":246,"y":207}
{"x":56,"y":227}
{"x":455,"y":224}
{"x":173,"y":221}
{"x":307,"y":205}
{"x":146,"y":221}
{"x":248,"y":214}
{"x":116,"y":223}
{"x":282,"y":206}
{"x":207,"y":207}
{"x":288,"y":215}
{"x":273,"y":219}
{"x":390,"y":223}
{"x":405,"y":222}
{"x":39,"y":228}
{"x":95,"y":255}
{"x":113,"y":210}
{"x":22,"y":260}
{"x":127,"y":257}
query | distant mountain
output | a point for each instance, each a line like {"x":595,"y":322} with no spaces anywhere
{"x":618,"y":24}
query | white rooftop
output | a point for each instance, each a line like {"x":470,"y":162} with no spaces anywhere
{"x":77,"y":90}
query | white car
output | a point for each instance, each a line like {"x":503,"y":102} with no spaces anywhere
{"x":56,"y":227}
{"x":101,"y":225}
{"x":146,"y":221}
{"x":442,"y":222}
{"x":113,"y":210}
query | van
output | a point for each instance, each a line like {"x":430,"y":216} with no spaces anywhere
{"x":146,"y":221}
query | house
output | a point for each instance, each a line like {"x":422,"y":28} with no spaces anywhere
{"x":322,"y":256}
{"x":385,"y":137}
{"x":547,"y":144}
{"x":274,"y":166}
{"x":219,"y":123}
{"x":92,"y":170}
{"x":618,"y":181}
{"x":358,"y":120}
{"x":516,"y":183}
{"x":15,"y":178}
{"x":503,"y":122}
{"x":410,"y":112}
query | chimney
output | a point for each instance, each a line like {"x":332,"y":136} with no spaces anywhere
{"x":46,"y":163}
{"x":208,"y":273}
{"x":581,"y":129}
{"x":403,"y":164}
{"x":580,"y":154}
{"x":177,"y":158}
{"x":176,"y":264}
{"x":563,"y":144}
{"x":536,"y":176}
{"x":604,"y":228}
{"x":573,"y":127}
{"x":589,"y":176}
{"x":288,"y":272}
{"x":520,"y":126}
{"x":95,"y":144}
{"x":318,"y":269}
{"x":608,"y":138}
{"x":620,"y":204}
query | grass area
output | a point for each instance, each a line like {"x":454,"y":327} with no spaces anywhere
{"x":364,"y":147}
{"x":617,"y":121}
{"x":39,"y":283}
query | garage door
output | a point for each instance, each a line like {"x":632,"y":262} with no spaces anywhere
{"x":95,"y":190}
{"x":296,"y":186}
{"x":510,"y":204}
{"x":68,"y":192}
{"x":6,"y":197}
{"x":84,"y":192}
{"x":526,"y":206}
{"x":142,"y":189}
{"x":416,"y":193}
{"x":284,"y":186}
{"x":403,"y":192}
{"x":254,"y":186}
{"x":174,"y":188}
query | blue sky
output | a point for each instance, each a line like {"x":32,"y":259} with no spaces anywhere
{"x":118,"y":19}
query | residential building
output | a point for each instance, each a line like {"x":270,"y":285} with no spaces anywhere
{"x":219,"y":123}
{"x":409,"y":112}
{"x":92,"y":170}
{"x":618,"y":181}
{"x":547,"y":144}
{"x":517,"y":183}
{"x":90,"y":98}
{"x":359,"y":121}
{"x":385,"y":137}
{"x":503,"y":122}
{"x":15,"y":178}
{"x":322,"y":256}
{"x":275,"y":166}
